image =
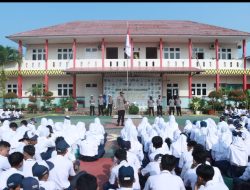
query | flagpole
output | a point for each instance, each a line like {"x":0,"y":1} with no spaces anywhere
{"x":127,"y":69}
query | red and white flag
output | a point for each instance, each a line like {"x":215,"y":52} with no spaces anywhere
{"x":128,"y":45}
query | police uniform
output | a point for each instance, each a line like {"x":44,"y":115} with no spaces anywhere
{"x":120,"y":105}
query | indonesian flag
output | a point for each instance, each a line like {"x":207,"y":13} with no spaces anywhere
{"x":128,"y":45}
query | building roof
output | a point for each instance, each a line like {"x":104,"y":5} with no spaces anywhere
{"x":136,"y":27}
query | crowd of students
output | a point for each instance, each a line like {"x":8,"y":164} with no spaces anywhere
{"x":47,"y":154}
{"x":151,"y":156}
{"x":10,"y":115}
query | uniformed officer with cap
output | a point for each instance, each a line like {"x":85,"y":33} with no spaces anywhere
{"x":120,"y":105}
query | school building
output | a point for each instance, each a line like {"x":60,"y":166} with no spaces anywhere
{"x":170,"y":58}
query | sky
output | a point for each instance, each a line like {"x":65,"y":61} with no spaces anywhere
{"x":20,"y":17}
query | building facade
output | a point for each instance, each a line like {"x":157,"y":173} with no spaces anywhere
{"x":169,"y":58}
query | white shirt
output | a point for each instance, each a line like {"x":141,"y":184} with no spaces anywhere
{"x":165,"y":180}
{"x":63,"y":168}
{"x":88,"y":148}
{"x":212,"y":185}
{"x":185,"y":158}
{"x":152,"y":168}
{"x":27,"y":167}
{"x":5,"y":175}
{"x":133,"y":160}
{"x":4,"y":164}
{"x":48,"y":185}
{"x":114,"y":174}
{"x":190,"y":177}
{"x":21,"y":130}
{"x":157,"y":151}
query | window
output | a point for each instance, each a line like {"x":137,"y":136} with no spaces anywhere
{"x":64,"y":54}
{"x":172,"y":53}
{"x":91,"y":85}
{"x":225,"y":53}
{"x":112,"y":53}
{"x":38,"y":54}
{"x":65,"y":89}
{"x":198,"y":53}
{"x":12,"y":88}
{"x":199,"y":89}
{"x":38,"y":89}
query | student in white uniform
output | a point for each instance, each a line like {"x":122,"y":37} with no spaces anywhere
{"x":16,"y":162}
{"x":41,"y":171}
{"x":29,"y":161}
{"x":86,"y":182}
{"x":31,"y":183}
{"x":157,"y":144}
{"x":8,"y":135}
{"x":165,"y":179}
{"x":125,"y":178}
{"x":88,"y":149}
{"x":186,"y":159}
{"x":63,"y":169}
{"x":205,"y":175}
{"x":120,"y":159}
{"x":4,"y":152}
{"x":23,"y":128}
{"x":14,"y":182}
{"x":238,"y":156}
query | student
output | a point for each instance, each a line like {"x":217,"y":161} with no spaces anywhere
{"x":151,"y":106}
{"x":159,"y":149}
{"x":23,"y":128}
{"x":205,"y":174}
{"x":92,"y":105}
{"x":86,"y":182}
{"x":29,"y":161}
{"x":63,"y":169}
{"x":4,"y":152}
{"x":16,"y":163}
{"x":14,"y":182}
{"x":120,"y":159}
{"x":159,"y":105}
{"x":165,"y":180}
{"x":126,"y":178}
{"x":31,"y":183}
{"x":41,"y":171}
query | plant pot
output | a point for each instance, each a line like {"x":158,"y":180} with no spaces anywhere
{"x":197,"y":112}
{"x":211,"y":112}
{"x":66,"y":109}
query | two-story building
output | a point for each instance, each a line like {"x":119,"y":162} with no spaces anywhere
{"x":169,"y":58}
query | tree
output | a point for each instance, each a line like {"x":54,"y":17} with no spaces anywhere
{"x":215,"y":96}
{"x":47,"y":99}
{"x":35,"y":91}
{"x":7,"y":55}
{"x":237,"y":96}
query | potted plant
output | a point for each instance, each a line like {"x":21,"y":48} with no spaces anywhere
{"x":215,"y":97}
{"x":195,"y":105}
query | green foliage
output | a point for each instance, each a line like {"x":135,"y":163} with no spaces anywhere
{"x":133,"y":109}
{"x":47,"y":100}
{"x":195,"y":104}
{"x":3,"y":79}
{"x":32,"y":108}
{"x":216,"y":98}
{"x":23,"y":107}
{"x":215,"y":94}
{"x":32,"y":99}
{"x":67,"y":103}
{"x":237,"y":96}
{"x":10,"y":95}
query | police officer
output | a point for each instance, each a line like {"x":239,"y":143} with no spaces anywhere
{"x":92,"y":105}
{"x":120,"y":105}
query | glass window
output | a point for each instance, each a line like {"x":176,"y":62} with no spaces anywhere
{"x":198,"y":91}
{"x":12,"y":88}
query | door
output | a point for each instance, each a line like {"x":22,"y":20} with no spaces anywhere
{"x":151,"y":53}
{"x":172,"y":90}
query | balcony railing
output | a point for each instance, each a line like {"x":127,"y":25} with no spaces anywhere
{"x":97,"y":63}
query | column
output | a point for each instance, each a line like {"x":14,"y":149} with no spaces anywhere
{"x":245,"y":65}
{"x":190,"y":65}
{"x":74,"y":66}
{"x":132,"y":53}
{"x":46,"y":78}
{"x":217,"y":64}
{"x":161,"y":47}
{"x":103,"y":52}
{"x":19,"y":78}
